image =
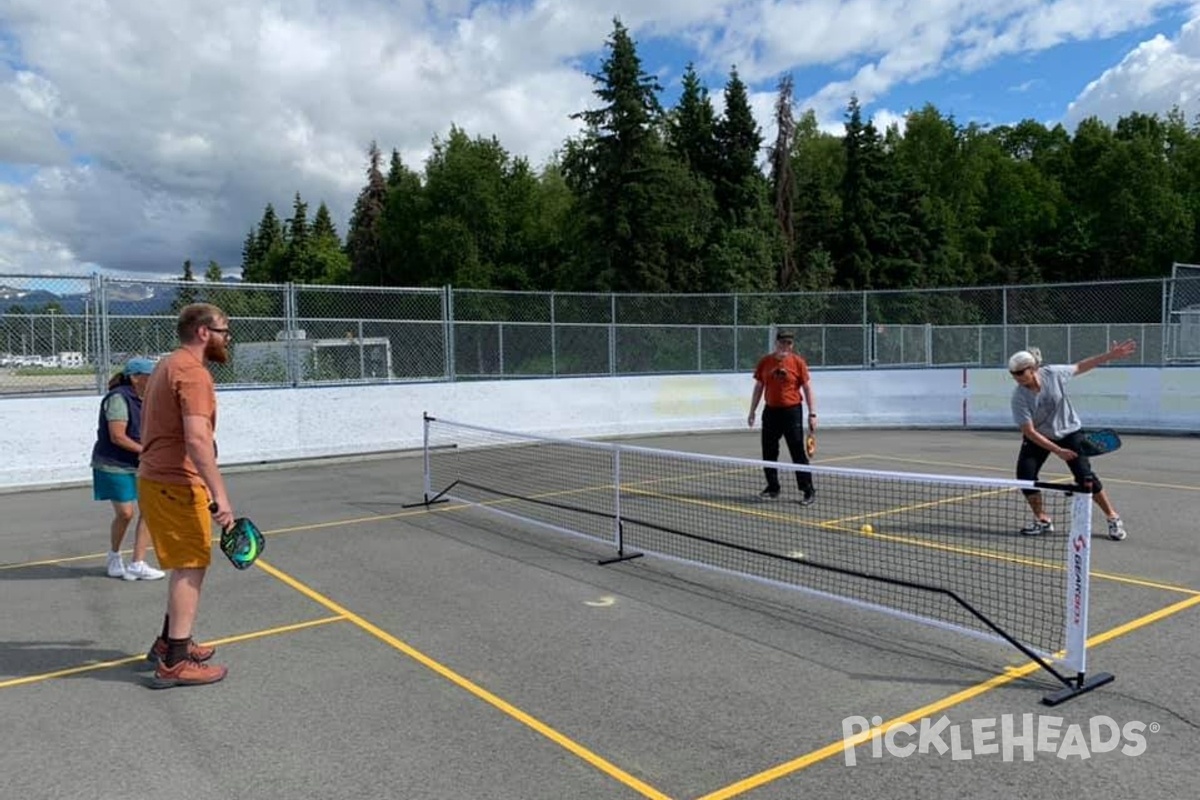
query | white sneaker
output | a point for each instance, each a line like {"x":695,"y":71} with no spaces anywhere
{"x":116,"y":566}
{"x":1116,"y":529}
{"x":141,"y":571}
{"x":1038,"y":527}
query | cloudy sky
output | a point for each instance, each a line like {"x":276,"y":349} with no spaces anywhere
{"x":136,"y":134}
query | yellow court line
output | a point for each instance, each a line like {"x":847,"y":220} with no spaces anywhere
{"x":993,"y":555}
{"x":98,"y":665}
{"x":828,"y":525}
{"x":496,"y":702}
{"x":1012,"y":674}
{"x":1123,"y":481}
{"x":47,"y":562}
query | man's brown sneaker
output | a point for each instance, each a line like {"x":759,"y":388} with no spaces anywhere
{"x":186,"y":673}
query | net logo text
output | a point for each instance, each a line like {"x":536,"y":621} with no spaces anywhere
{"x":1009,"y":736}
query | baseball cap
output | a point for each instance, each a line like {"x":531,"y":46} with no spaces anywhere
{"x":139,"y":366}
{"x":785,"y":334}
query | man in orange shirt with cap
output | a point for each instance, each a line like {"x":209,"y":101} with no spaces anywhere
{"x":782,"y":376}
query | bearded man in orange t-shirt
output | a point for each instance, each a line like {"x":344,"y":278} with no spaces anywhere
{"x":181,"y":489}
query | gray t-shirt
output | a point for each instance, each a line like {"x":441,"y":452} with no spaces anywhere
{"x":1050,"y":409}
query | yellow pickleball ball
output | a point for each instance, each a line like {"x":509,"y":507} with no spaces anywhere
{"x":866,"y":528}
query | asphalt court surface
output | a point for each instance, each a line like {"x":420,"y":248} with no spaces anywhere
{"x":383,"y":651}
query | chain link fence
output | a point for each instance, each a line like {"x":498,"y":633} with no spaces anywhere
{"x":69,"y":333}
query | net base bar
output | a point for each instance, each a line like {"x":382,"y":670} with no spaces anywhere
{"x":1081,"y":685}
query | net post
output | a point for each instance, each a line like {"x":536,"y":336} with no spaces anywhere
{"x":618,"y":530}
{"x":428,"y":498}
{"x":618,"y":526}
{"x":1078,"y":555}
{"x":427,"y":489}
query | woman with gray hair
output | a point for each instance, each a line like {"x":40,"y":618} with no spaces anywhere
{"x":1049,"y":424}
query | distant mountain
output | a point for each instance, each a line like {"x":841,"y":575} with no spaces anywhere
{"x":27,"y":298}
{"x":124,"y":299}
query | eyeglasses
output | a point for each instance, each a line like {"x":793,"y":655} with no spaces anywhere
{"x":224,"y":331}
{"x":1016,"y":373}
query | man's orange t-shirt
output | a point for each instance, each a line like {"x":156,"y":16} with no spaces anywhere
{"x":781,"y":379}
{"x":180,"y":386}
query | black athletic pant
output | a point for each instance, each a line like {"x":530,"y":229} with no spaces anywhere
{"x":787,"y":422}
{"x":1033,"y":456}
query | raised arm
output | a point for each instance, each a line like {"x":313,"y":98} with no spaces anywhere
{"x":1117,"y":351}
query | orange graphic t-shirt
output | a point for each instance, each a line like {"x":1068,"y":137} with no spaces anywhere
{"x":781,"y":379}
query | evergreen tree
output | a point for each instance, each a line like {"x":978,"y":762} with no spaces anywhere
{"x":269,"y":245}
{"x":611,"y":169}
{"x":691,"y":127}
{"x":642,"y":218}
{"x":818,"y":163}
{"x":186,"y":294}
{"x":323,"y":229}
{"x":327,"y":259}
{"x":250,"y":255}
{"x":296,"y":265}
{"x":400,"y":228}
{"x":213,"y":274}
{"x":396,"y":169}
{"x":740,"y":186}
{"x":363,"y":239}
{"x":860,"y":193}
{"x":784,"y":182}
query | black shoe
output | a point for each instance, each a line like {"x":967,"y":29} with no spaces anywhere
{"x":809,"y":497}
{"x":768,"y":494}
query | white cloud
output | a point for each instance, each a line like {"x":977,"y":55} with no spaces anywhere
{"x":1154,"y":77}
{"x":137,"y":134}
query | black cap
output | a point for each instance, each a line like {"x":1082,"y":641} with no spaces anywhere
{"x":785,"y":334}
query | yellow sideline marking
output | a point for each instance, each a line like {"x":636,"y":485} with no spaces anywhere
{"x":766,"y":514}
{"x":994,"y":555}
{"x":1012,"y":674}
{"x":836,"y":525}
{"x":242,"y":637}
{"x":1059,"y":475}
{"x":496,"y":702}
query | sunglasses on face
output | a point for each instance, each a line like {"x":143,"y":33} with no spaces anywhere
{"x":1016,"y":373}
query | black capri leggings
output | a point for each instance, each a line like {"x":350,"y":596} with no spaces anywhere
{"x":1033,"y":456}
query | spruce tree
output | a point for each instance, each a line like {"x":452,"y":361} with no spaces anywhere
{"x":612,"y":169}
{"x":784,"y":182}
{"x":363,"y":238}
{"x":740,"y":186}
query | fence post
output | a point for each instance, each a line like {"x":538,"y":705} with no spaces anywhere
{"x":1004,"y":321}
{"x":1165,"y":321}
{"x":290,"y":333}
{"x":103,"y":349}
{"x":612,"y":333}
{"x":553,"y":337}
{"x":737,"y":332}
{"x":448,"y":329}
{"x":868,"y":336}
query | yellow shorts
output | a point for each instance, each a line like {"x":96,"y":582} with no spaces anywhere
{"x":179,"y":521}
